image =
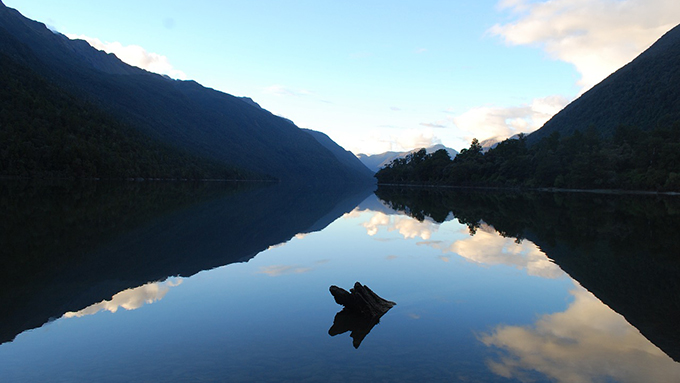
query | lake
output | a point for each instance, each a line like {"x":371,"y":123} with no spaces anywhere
{"x":218,"y":282}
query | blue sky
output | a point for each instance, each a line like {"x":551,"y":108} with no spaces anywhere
{"x":378,"y":75}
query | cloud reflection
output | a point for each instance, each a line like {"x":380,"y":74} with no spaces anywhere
{"x":489,"y":248}
{"x":486,"y":247}
{"x":130,"y":299}
{"x":587,"y":342}
{"x":408,"y":227}
{"x":277,"y":270}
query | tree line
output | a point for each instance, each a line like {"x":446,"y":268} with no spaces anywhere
{"x":632,"y":159}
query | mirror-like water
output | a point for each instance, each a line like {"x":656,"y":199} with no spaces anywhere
{"x":165,"y":282}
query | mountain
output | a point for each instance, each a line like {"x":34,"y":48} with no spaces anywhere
{"x":46,"y":133}
{"x":344,"y":156}
{"x":180,"y":114}
{"x":376,"y":161}
{"x":644,"y":93}
{"x":623,"y":134}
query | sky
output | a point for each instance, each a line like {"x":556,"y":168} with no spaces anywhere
{"x":378,"y":75}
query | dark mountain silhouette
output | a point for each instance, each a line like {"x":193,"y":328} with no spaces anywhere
{"x":67,"y":246}
{"x":622,"y":248}
{"x":644,"y":93}
{"x":183,"y":114}
{"x":344,"y":156}
{"x":47,"y":133}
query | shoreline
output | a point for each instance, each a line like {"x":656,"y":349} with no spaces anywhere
{"x":551,"y":190}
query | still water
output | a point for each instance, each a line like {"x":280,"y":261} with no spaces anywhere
{"x":229,"y":283}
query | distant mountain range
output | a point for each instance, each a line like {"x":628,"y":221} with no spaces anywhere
{"x":376,"y":161}
{"x":644,"y":93}
{"x":187,"y":120}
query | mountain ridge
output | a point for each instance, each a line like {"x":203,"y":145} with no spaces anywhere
{"x":644,"y":93}
{"x":344,"y":156}
{"x":183,"y":114}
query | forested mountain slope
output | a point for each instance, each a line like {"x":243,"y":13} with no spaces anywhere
{"x":46,"y":133}
{"x":181,"y":114}
{"x":644,"y":93}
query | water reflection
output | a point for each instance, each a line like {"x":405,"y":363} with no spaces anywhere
{"x":588,"y":342}
{"x":358,"y":325}
{"x":406,"y":226}
{"x":267,"y":317}
{"x":277,"y":270}
{"x":487,"y":247}
{"x":622,"y":248}
{"x":130,"y":299}
{"x":482,"y":245}
{"x":67,"y":246}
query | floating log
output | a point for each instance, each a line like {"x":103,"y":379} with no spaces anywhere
{"x":362,"y":300}
{"x":362,"y":311}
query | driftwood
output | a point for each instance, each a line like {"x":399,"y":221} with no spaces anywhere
{"x":362,"y":311}
{"x":362,"y":300}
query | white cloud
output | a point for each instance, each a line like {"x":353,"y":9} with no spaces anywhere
{"x":415,"y":138}
{"x":276,"y":246}
{"x":374,"y":142}
{"x":502,"y":122}
{"x":402,"y":141}
{"x":588,"y":342}
{"x":596,"y":36}
{"x":130,"y":299}
{"x":280,"y":90}
{"x":135,"y":55}
{"x":436,"y":125}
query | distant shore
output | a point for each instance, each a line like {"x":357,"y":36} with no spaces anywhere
{"x":554,"y":190}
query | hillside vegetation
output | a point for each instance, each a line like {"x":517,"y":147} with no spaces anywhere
{"x":168,"y":115}
{"x":633,"y":160}
{"x":644,"y":93}
{"x":47,"y":133}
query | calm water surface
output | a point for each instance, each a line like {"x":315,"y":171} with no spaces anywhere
{"x":218,"y":283}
